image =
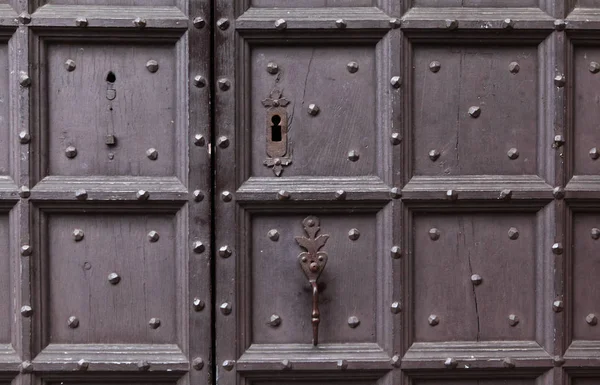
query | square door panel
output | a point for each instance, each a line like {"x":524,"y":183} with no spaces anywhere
{"x":83,"y":251}
{"x":317,"y":144}
{"x":112,"y":109}
{"x":470,"y":273}
{"x":473,"y":111}
{"x":6,"y":291}
{"x":348,"y":283}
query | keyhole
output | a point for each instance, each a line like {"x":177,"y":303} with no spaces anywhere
{"x":276,"y":128}
{"x":111,"y":78}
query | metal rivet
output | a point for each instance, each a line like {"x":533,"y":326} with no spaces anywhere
{"x":153,"y":236}
{"x":224,"y":84}
{"x":199,"y":81}
{"x":514,"y":67}
{"x":81,"y":194}
{"x":450,"y":363}
{"x":434,"y":234}
{"x":395,"y":193}
{"x":114,"y":278}
{"x":559,"y":140}
{"x":225,"y":308}
{"x":26,"y":367}
{"x":452,"y":195}
{"x":476,"y":279}
{"x":280,"y":24}
{"x":341,"y":23}
{"x":434,"y":155}
{"x":225,"y":251}
{"x":435,"y":66}
{"x":198,"y":304}
{"x":142,"y":195}
{"x":560,"y":25}
{"x":139,"y":22}
{"x":223,"y":24}
{"x":560,"y":80}
{"x":557,"y":248}
{"x":396,"y":252}
{"x":154,"y":323}
{"x":591,"y":319}
{"x":152,"y":154}
{"x":223,"y":142}
{"x":474,"y":111}
{"x":508,"y":363}
{"x":396,"y":307}
{"x":73,"y":322}
{"x":513,"y":233}
{"x":26,"y":250}
{"x":24,"y":192}
{"x":558,"y":306}
{"x":152,"y":66}
{"x":273,"y":235}
{"x":198,"y":196}
{"x":71,"y":152}
{"x":342,"y":364}
{"x":198,"y":247}
{"x":283,"y":195}
{"x":594,"y":154}
{"x":226,"y":196}
{"x":313,"y":109}
{"x":340,"y":195}
{"x":228,"y":365}
{"x":594,"y":67}
{"x":433,"y":320}
{"x":395,"y":23}
{"x":396,"y":361}
{"x":199,"y":22}
{"x":81,"y":22}
{"x":82,"y":365}
{"x":505,"y":194}
{"x":508,"y":24}
{"x":199,"y":140}
{"x":558,"y":192}
{"x":198,"y":363}
{"x":558,"y":361}
{"x":353,"y":234}
{"x":353,"y":156}
{"x":396,"y":82}
{"x":286,"y":364}
{"x":110,"y":140}
{"x":395,"y":138}
{"x":275,"y":320}
{"x":24,"y":137}
{"x":272,"y":68}
{"x":78,"y":235}
{"x":512,"y":153}
{"x":143,"y":366}
{"x":353,"y":321}
{"x":24,"y":79}
{"x":595,"y":233}
{"x":352,"y":67}
{"x":70,"y":65}
{"x":451,"y":24}
{"x":24,"y":18}
{"x":26,"y":311}
{"x":513,"y":320}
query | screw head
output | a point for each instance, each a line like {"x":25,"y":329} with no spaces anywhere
{"x":78,"y":235}
{"x":198,"y":247}
{"x":451,"y":24}
{"x":341,"y":23}
{"x":474,"y":111}
{"x":353,"y":156}
{"x":154,"y":323}
{"x":340,"y":195}
{"x":396,"y":82}
{"x":395,"y":138}
{"x":353,"y":322}
{"x":514,"y":67}
{"x":513,"y":233}
{"x":353,"y":234}
{"x":508,"y":363}
{"x":198,"y":363}
{"x":396,"y":252}
{"x":198,"y":196}
{"x":594,"y":67}
{"x":352,"y":67}
{"x":450,"y":363}
{"x":152,"y":66}
{"x":81,"y":194}
{"x":275,"y":321}
{"x":560,"y":25}
{"x":283,"y":195}
{"x":26,"y":367}
{"x":81,"y":22}
{"x":24,"y":79}
{"x":139,"y":22}
{"x":225,"y":251}
{"x":557,"y":248}
{"x":226,"y":196}
{"x":223,"y":24}
{"x":434,"y":234}
{"x":560,"y":80}
{"x":83,"y":365}
{"x":434,"y":155}
{"x":433,"y":320}
{"x":272,"y":68}
{"x":73,"y":322}
{"x":114,"y":278}
{"x":435,"y":66}
{"x":26,"y":311}
{"x":228,"y":365}
{"x":513,"y":320}
{"x":558,"y":306}
{"x":152,"y":153}
{"x":142,"y":195}
{"x":452,"y":195}
{"x":24,"y":137}
{"x":70,"y":65}
{"x":26,"y":250}
{"x":280,"y":24}
{"x":223,"y":142}
{"x":153,"y":236}
{"x":595,"y":233}
{"x":476,"y":279}
{"x":225,"y":308}
{"x":199,"y":22}
{"x":224,"y":84}
{"x":71,"y":152}
{"x":508,"y":24}
{"x":273,"y":235}
{"x":24,"y":192}
{"x":558,"y":192}
{"x":396,"y":307}
{"x":24,"y":18}
{"x":313,"y":109}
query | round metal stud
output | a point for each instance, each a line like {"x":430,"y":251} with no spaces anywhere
{"x":594,"y":153}
{"x":595,"y":233}
{"x":396,"y":82}
{"x":70,"y":65}
{"x":26,"y":367}
{"x":225,"y":308}
{"x":152,"y":153}
{"x":508,"y":24}
{"x":313,"y":109}
{"x":342,"y":364}
{"x":560,"y":25}
{"x":435,"y":66}
{"x":396,"y":361}
{"x":434,"y":155}
{"x":154,"y":323}
{"x":434,"y":234}
{"x":341,"y":23}
{"x":273,"y":235}
{"x":24,"y":137}
{"x":139,"y":22}
{"x":73,"y":322}
{"x":396,"y":307}
{"x":114,"y":278}
{"x":226,"y":196}
{"x":71,"y":152}
{"x":78,"y":235}
{"x":199,"y":22}
{"x":560,"y":80}
{"x":340,"y":195}
{"x":275,"y":321}
{"x":352,"y":67}
{"x":83,"y":365}
{"x":153,"y":236}
{"x":450,"y":363}
{"x":505,"y":194}
{"x":81,"y":194}
{"x":353,"y":234}
{"x":199,"y":81}
{"x":452,"y":195}
{"x":591,"y":319}
{"x":514,"y":67}
{"x":353,"y":322}
{"x":24,"y":192}
{"x":474,"y":111}
{"x":594,"y":67}
{"x":223,"y":24}
{"x":24,"y":18}
{"x":558,"y":192}
{"x":225,"y":251}
{"x":223,"y":142}
{"x":26,"y":311}
{"x":198,"y":304}
{"x":558,"y":306}
{"x":451,"y":24}
{"x":353,"y":156}
{"x":24,"y":79}
{"x":508,"y":363}
{"x":559,"y":140}
{"x":142,"y":195}
{"x":224,"y":84}
{"x":199,"y":140}
{"x":396,"y":252}
{"x":395,"y":23}
{"x":395,"y":193}
{"x":198,"y":196}
{"x":283,"y":195}
{"x":228,"y":365}
{"x":513,"y":320}
{"x":557,"y":248}
{"x":476,"y":279}
{"x":395,"y":138}
{"x":26,"y":250}
{"x":280,"y":24}
{"x":198,"y":247}
{"x":152,"y":66}
{"x":433,"y":320}
{"x":513,"y":233}
{"x":272,"y":68}
{"x":198,"y":363}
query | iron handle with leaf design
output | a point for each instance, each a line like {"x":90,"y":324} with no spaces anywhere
{"x":313,"y":261}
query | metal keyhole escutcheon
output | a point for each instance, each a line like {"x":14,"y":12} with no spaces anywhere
{"x":312,"y":262}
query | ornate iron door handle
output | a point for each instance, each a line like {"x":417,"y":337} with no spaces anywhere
{"x":312,"y":262}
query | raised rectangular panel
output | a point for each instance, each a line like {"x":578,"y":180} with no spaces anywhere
{"x":475,"y":77}
{"x":448,"y":250}
{"x":318,"y":145}
{"x":112,"y":109}
{"x":5,"y":108}
{"x":6,"y":291}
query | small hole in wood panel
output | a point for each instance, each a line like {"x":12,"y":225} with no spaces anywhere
{"x":276,"y":129}
{"x":111,"y":77}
